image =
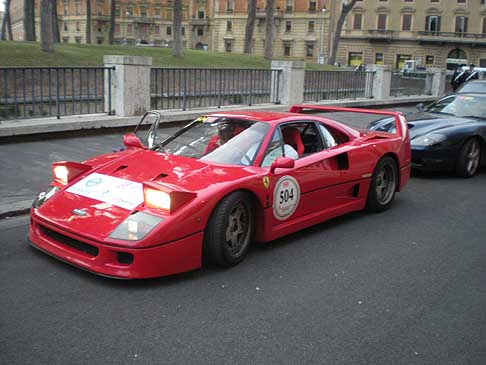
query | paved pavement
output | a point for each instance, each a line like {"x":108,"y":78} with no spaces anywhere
{"x":402,"y":287}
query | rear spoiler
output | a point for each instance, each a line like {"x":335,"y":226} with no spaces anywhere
{"x":400,"y":121}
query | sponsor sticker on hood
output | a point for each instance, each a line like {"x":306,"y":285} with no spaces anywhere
{"x":113,"y":190}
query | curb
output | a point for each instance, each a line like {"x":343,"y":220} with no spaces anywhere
{"x":15,"y":209}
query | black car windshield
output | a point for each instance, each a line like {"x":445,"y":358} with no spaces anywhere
{"x":461,"y":106}
{"x":473,"y":87}
{"x":218,"y":139}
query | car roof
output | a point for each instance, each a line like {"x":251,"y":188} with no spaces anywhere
{"x":474,"y":84}
{"x":259,"y":116}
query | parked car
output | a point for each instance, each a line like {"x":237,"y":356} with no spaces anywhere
{"x":448,"y":135}
{"x":475,"y":86}
{"x":161,"y":207}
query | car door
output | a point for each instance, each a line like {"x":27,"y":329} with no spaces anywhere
{"x":318,"y":173}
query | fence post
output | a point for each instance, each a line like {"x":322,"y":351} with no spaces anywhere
{"x":381,"y":81}
{"x":291,"y":82}
{"x":130,"y":85}
{"x":438,"y":82}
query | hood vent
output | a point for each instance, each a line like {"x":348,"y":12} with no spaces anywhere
{"x":159,"y":177}
{"x":119,"y":168}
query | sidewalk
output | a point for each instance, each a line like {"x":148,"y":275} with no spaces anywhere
{"x":39,"y":128}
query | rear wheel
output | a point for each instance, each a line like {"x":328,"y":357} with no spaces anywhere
{"x":383,"y":185}
{"x":229,"y":230}
{"x":469,"y":158}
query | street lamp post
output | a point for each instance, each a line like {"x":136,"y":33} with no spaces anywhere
{"x":320,"y":59}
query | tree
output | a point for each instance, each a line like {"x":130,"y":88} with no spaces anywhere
{"x":177,"y":25}
{"x":6,"y":23}
{"x":88,"y":21}
{"x":111,"y":35}
{"x":347,"y":6}
{"x":250,"y":25}
{"x":269,"y":28}
{"x":55,"y":23}
{"x":29,"y":20}
{"x":46,"y":27}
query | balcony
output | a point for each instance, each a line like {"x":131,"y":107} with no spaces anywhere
{"x":261,"y":14}
{"x":380,"y":35}
{"x":142,"y":19}
{"x":469,"y":39}
{"x":199,"y":21}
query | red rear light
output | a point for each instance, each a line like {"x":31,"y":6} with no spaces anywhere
{"x":65,"y":171}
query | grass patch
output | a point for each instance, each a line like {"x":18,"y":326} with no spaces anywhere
{"x":29,"y":54}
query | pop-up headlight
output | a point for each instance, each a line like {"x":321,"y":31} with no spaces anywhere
{"x":136,"y":226}
{"x":65,"y":171}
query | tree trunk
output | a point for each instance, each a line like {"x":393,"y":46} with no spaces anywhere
{"x":250,"y":26}
{"x":55,"y":24}
{"x":88,"y":21}
{"x":6,"y":23}
{"x":29,"y":20}
{"x":46,"y":28}
{"x":177,"y":25}
{"x":269,"y":28}
{"x":111,"y":36}
{"x":339,"y":27}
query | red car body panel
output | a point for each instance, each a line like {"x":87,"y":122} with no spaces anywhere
{"x":175,"y":244}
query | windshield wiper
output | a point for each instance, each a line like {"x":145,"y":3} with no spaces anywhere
{"x":472,"y":116}
{"x":440,"y":112}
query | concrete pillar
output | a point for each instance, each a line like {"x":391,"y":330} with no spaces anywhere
{"x":291,"y":82}
{"x":381,"y":81}
{"x":130,"y":84}
{"x":438,"y":82}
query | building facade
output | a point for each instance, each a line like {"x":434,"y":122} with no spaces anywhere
{"x":435,"y":33}
{"x":301,"y":27}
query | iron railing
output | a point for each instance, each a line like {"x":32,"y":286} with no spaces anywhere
{"x":184,"y":88}
{"x":404,"y":84}
{"x":333,"y":85}
{"x":30,"y":92}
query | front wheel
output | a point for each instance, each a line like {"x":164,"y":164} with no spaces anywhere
{"x":383,"y":185}
{"x":229,"y":230}
{"x":469,"y":158}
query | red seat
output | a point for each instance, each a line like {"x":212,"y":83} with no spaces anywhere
{"x":291,"y":136}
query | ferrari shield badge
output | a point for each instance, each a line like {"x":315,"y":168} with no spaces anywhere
{"x":266,"y":182}
{"x":286,"y":197}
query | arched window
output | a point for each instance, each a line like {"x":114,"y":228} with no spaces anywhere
{"x":456,"y":58}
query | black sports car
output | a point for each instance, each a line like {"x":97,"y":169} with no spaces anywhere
{"x":449,"y":134}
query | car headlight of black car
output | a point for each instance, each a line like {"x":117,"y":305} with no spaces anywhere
{"x":428,"y":140}
{"x":136,"y":226}
{"x":45,"y":195}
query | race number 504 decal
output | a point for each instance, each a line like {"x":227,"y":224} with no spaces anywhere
{"x":286,"y":197}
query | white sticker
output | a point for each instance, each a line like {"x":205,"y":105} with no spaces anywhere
{"x":108,"y":189}
{"x":286,"y":197}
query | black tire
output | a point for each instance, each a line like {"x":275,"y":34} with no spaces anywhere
{"x":469,"y":158}
{"x":383,"y":185}
{"x":230,"y":230}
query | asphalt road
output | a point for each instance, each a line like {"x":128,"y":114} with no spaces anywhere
{"x":402,"y":287}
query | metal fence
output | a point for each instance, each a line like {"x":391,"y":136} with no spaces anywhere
{"x":332,"y":85}
{"x":29,"y":92}
{"x":403,"y":84}
{"x":184,"y":88}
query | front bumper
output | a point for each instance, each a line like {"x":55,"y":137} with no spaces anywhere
{"x":433,"y":159}
{"x":119,"y":262}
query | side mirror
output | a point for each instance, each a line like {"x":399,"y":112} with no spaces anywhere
{"x":282,"y":163}
{"x":420,"y":107}
{"x":131,"y":140}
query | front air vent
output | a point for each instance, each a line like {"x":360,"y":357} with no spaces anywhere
{"x":71,"y":242}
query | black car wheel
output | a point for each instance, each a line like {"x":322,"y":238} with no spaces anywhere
{"x":469,"y":158}
{"x":229,"y":230}
{"x":383,"y":185}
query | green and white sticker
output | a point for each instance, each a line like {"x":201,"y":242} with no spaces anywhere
{"x":286,"y":197}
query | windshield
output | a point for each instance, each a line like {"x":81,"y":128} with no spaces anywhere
{"x":473,"y":87}
{"x":218,"y":139}
{"x":461,"y":106}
